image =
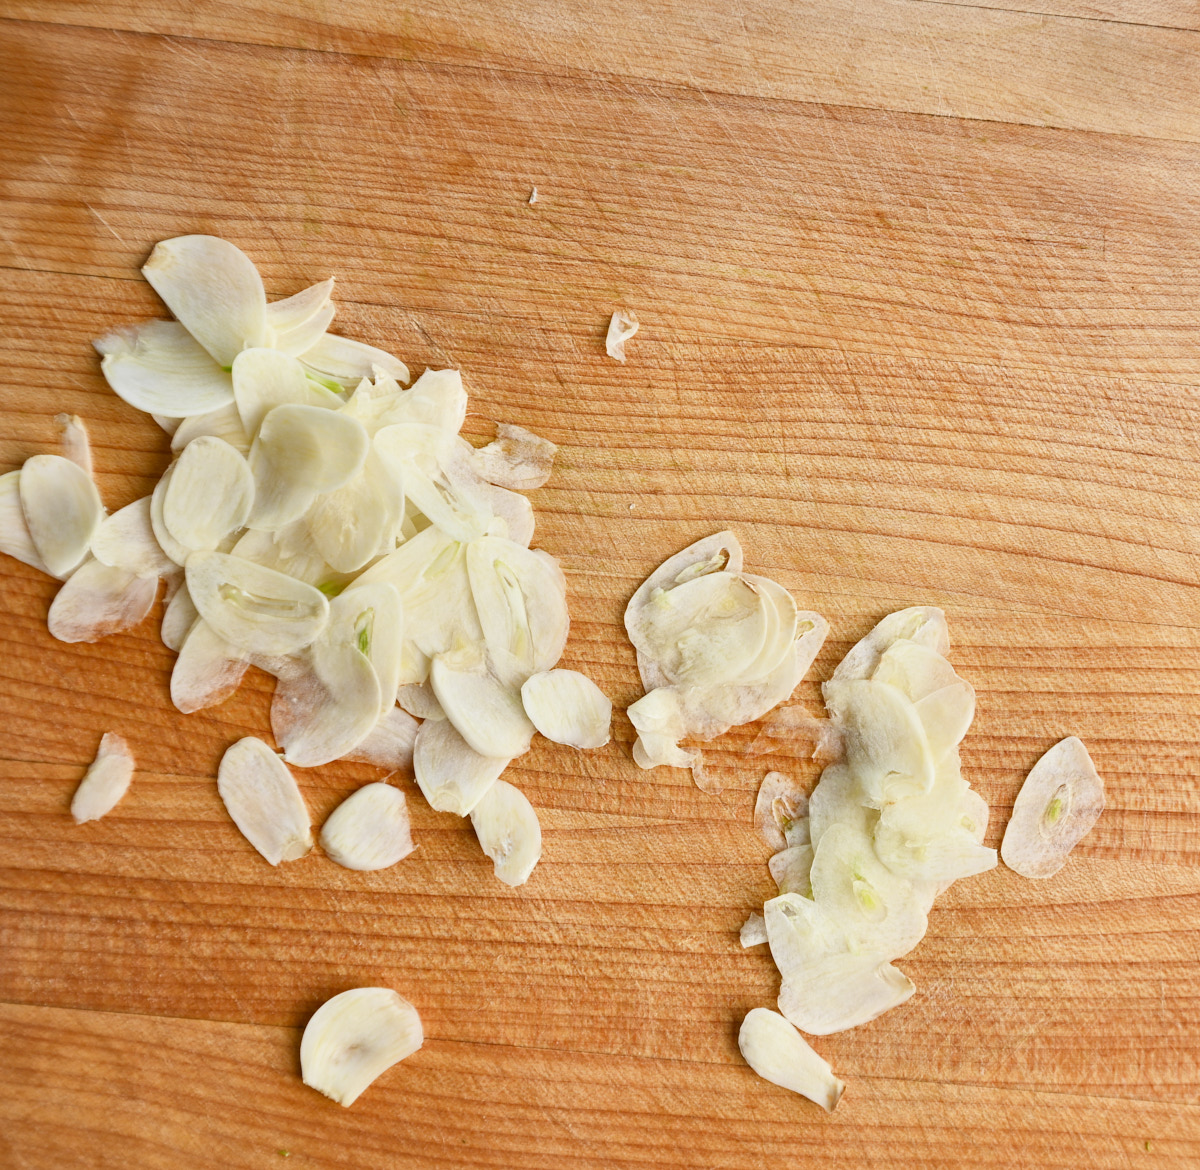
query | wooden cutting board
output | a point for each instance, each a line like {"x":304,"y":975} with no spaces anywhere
{"x":918,"y":286}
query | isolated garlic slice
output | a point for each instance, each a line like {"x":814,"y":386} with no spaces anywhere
{"x":516,"y":459}
{"x":76,"y":446}
{"x":223,"y":423}
{"x":508,"y":832}
{"x":369,"y":830}
{"x":14,"y":532}
{"x":207,"y":671}
{"x":485,"y":712}
{"x":451,"y":774}
{"x":1061,"y":799}
{"x":210,"y":494}
{"x":623,"y":325}
{"x":390,"y":742}
{"x":125,"y":540}
{"x":355,"y":1037}
{"x":567,"y":707}
{"x":264,"y":801}
{"x":98,"y":600}
{"x":106,"y":780}
{"x":348,"y":361}
{"x":779,"y":1054}
{"x":62,"y":510}
{"x":779,"y":805}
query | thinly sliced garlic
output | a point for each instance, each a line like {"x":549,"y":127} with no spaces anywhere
{"x":224,"y":423}
{"x":451,"y":774}
{"x":567,"y":707}
{"x":265,"y":378}
{"x":485,"y":711}
{"x":291,"y":551}
{"x":923,"y":624}
{"x":418,"y":699}
{"x":841,"y":991}
{"x":354,"y":1037}
{"x":369,"y":830}
{"x":512,"y":514}
{"x":838,"y":799}
{"x":369,"y":619}
{"x":390,"y":743}
{"x":14,"y":532}
{"x":323,"y":449}
{"x":106,"y":780}
{"x":256,"y":609}
{"x":76,"y":446}
{"x":213,"y":290}
{"x":175,"y":552}
{"x":62,"y":510}
{"x":207,"y":671}
{"x":623,"y":325}
{"x":1061,"y":799}
{"x":349,"y":525}
{"x":178,"y":618}
{"x":790,"y":723}
{"x":210,"y":494}
{"x":348,"y":362}
{"x":437,"y":398}
{"x":98,"y":600}
{"x":264,"y":801}
{"x":791,"y":870}
{"x":779,"y":1054}
{"x":297,"y":322}
{"x":517,"y":459}
{"x":159,"y":367}
{"x":125,"y":540}
{"x":753,"y":932}
{"x":508,"y":832}
{"x":451,"y":496}
{"x":779,"y":805}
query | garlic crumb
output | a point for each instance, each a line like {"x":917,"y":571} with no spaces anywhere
{"x":621,"y":328}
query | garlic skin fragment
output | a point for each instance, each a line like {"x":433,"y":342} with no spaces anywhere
{"x":369,"y":830}
{"x":779,"y":1054}
{"x":1061,"y":799}
{"x":567,"y":707}
{"x":76,"y":446}
{"x":106,"y":780}
{"x":516,"y":459}
{"x":753,"y":932}
{"x":355,"y":1037}
{"x":508,"y":832}
{"x":622,"y":326}
{"x":264,"y":801}
{"x":62,"y":510}
{"x":98,"y":600}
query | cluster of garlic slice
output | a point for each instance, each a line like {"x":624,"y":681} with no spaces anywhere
{"x":716,"y":648}
{"x":334,"y":529}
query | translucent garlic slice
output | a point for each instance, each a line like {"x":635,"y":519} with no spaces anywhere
{"x":213,"y":290}
{"x":914,"y":669}
{"x":62,"y":510}
{"x":348,"y":525}
{"x":779,"y":1054}
{"x":76,"y":446}
{"x":158,"y":367}
{"x":508,"y":832}
{"x":517,"y":459}
{"x":14,"y":532}
{"x":567,"y":707}
{"x":178,"y":618}
{"x":1061,"y":799}
{"x":265,"y":378}
{"x":125,"y":540}
{"x":753,"y":932}
{"x":923,"y":624}
{"x":791,"y":870}
{"x":792,"y":723}
{"x":779,"y":804}
{"x":451,"y":774}
{"x":800,"y":932}
{"x":209,"y":496}
{"x":623,"y":325}
{"x":223,"y":423}
{"x":207,"y":671}
{"x":354,"y":1037}
{"x":254,"y":608}
{"x":348,"y":362}
{"x":485,"y":711}
{"x":946,"y":717}
{"x":98,"y":600}
{"x":296,"y":323}
{"x":390,"y":743}
{"x":264,"y":801}
{"x":369,"y":830}
{"x":322,"y":449}
{"x":106,"y":780}
{"x":841,"y":991}
{"x":838,"y":799}
{"x":418,"y":699}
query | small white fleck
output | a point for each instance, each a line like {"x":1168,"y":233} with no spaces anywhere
{"x":533,"y":196}
{"x":621,"y":328}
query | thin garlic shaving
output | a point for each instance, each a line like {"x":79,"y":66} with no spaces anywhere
{"x":369,"y":830}
{"x":76,"y":446}
{"x":98,"y":600}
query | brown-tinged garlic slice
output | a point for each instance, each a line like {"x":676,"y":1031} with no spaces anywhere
{"x":623,"y":325}
{"x":14,"y":532}
{"x":264,"y":801}
{"x":517,"y":459}
{"x":178,"y":618}
{"x":1061,"y":799}
{"x":98,"y":600}
{"x":76,"y":446}
{"x":348,"y":361}
{"x":354,"y":1037}
{"x":486,"y":712}
{"x":210,"y":494}
{"x":567,"y":707}
{"x":62,"y":511}
{"x":125,"y":540}
{"x":390,"y":743}
{"x":779,"y":1054}
{"x":451,"y":774}
{"x":106,"y":780}
{"x":508,"y":832}
{"x":207,"y":671}
{"x":779,"y":805}
{"x":369,"y":830}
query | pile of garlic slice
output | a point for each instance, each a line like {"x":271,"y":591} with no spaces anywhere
{"x":716,"y":648}
{"x":330,"y":527}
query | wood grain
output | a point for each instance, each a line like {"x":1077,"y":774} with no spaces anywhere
{"x":909,"y":359}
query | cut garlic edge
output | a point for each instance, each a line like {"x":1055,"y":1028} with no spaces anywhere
{"x":355,"y":1037}
{"x":567,"y":707}
{"x":106,"y":780}
{"x":369,"y":830}
{"x":508,"y":832}
{"x":778,"y":1053}
{"x":264,"y":801}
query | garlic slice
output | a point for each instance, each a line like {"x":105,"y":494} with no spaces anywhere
{"x":98,"y":600}
{"x":790,"y":723}
{"x":207,"y":671}
{"x":106,"y":780}
{"x":437,"y":398}
{"x":516,"y":459}
{"x":791,"y":870}
{"x":14,"y":532}
{"x":450,"y":496}
{"x":753,"y":932}
{"x":923,"y":624}
{"x":264,"y":801}
{"x":390,"y":742}
{"x":838,"y":799}
{"x":319,"y":448}
{"x":354,"y":1037}
{"x":779,"y":1054}
{"x":223,"y":423}
{"x":296,"y":323}
{"x":370,"y":619}
{"x":369,"y":830}
{"x":178,"y":618}
{"x":347,"y":361}
{"x":508,"y":832}
{"x":160,"y":368}
{"x":840,"y":991}
{"x":254,"y":608}
{"x":567,"y":707}
{"x":1061,"y":799}
{"x":62,"y":510}
{"x":349,"y":525}
{"x":213,"y":290}
{"x":209,"y":496}
{"x":76,"y":446}
{"x":485,"y":712}
{"x":125,"y":540}
{"x":451,"y":774}
{"x":623,"y":325}
{"x":418,"y":699}
{"x":512,"y":514}
{"x":174,"y":551}
{"x":779,"y":805}
{"x":265,"y":378}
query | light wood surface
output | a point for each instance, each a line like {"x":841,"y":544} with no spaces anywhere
{"x":915,"y":347}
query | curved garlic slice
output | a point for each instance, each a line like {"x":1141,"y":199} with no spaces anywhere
{"x":779,"y":805}
{"x":517,"y":459}
{"x":567,"y":707}
{"x":369,"y":830}
{"x":210,"y":494}
{"x":390,"y":743}
{"x":255,"y":609}
{"x":354,"y":1037}
{"x":125,"y":540}
{"x":178,"y":618}
{"x":779,"y":1054}
{"x":370,"y":618}
{"x":207,"y":671}
{"x":1061,"y":799}
{"x":264,"y":801}
{"x":98,"y":600}
{"x":437,"y":398}
{"x":838,"y":799}
{"x":296,"y":323}
{"x":213,"y":290}
{"x":106,"y":780}
{"x":451,"y":774}
{"x":508,"y":832}
{"x":175,"y":552}
{"x":321,"y":449}
{"x":914,"y":669}
{"x":418,"y":699}
{"x":923,"y":624}
{"x":841,"y":991}
{"x":62,"y":510}
{"x":348,"y":361}
{"x":14,"y":532}
{"x":266,"y":378}
{"x":485,"y":712}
